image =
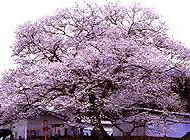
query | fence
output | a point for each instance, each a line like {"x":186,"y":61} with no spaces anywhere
{"x":187,"y":137}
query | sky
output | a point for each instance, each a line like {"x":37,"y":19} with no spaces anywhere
{"x":15,"y":12}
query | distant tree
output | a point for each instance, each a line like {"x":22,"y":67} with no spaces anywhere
{"x":93,"y":63}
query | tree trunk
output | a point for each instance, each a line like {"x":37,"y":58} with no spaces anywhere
{"x":98,"y":129}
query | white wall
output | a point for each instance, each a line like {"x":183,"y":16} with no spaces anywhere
{"x":127,"y":127}
{"x":20,"y":129}
{"x":175,"y":130}
{"x":36,"y":124}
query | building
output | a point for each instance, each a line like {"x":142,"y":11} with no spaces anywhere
{"x":35,"y":127}
{"x":176,"y":126}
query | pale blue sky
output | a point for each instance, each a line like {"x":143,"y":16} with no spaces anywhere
{"x":15,"y":12}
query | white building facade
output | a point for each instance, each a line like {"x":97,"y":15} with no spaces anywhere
{"x":29,"y":128}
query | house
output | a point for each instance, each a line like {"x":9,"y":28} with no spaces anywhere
{"x":35,"y":127}
{"x":176,"y":126}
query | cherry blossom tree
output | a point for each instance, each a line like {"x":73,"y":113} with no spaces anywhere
{"x":93,"y":63}
{"x":181,"y":86}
